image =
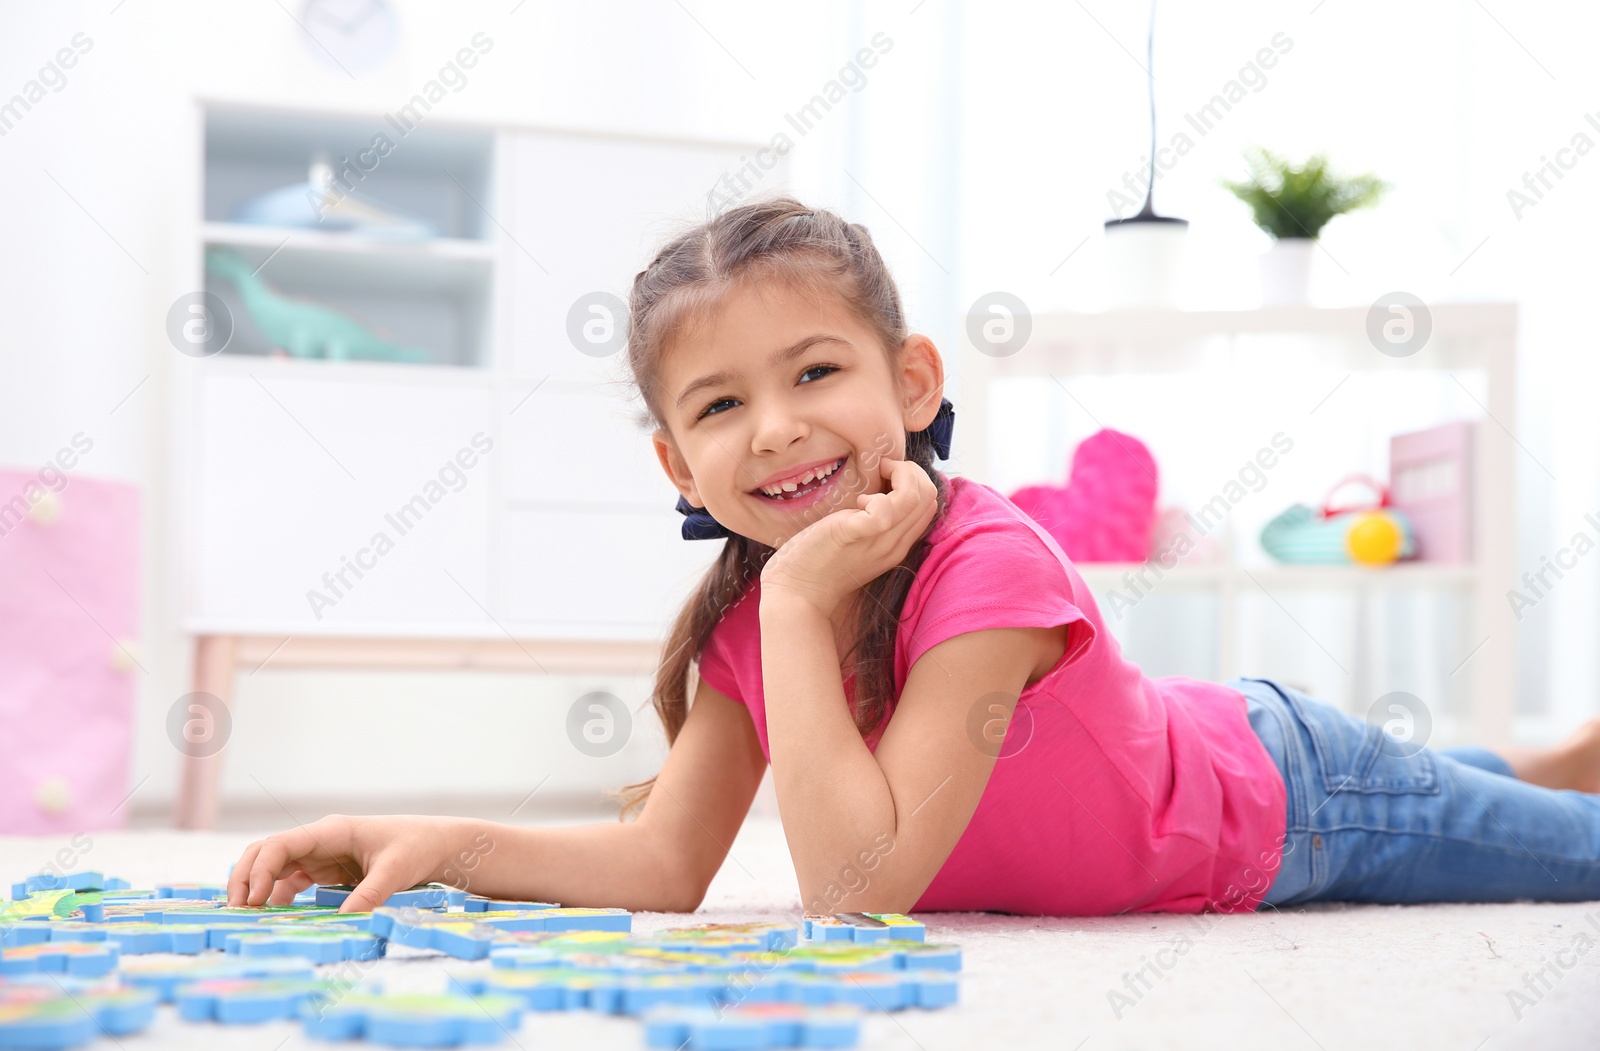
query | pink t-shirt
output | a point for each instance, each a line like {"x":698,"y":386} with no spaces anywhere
{"x":1113,"y":792}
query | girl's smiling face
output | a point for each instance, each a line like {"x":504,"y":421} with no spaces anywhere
{"x":771,"y":382}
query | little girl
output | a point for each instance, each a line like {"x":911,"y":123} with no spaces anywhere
{"x":950,"y":725}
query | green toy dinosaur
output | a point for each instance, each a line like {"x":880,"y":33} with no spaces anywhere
{"x":304,"y":330}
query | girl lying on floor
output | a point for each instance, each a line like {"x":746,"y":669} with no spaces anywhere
{"x":950,"y":725}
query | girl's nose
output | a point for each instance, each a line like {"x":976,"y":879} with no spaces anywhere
{"x":777,"y":427}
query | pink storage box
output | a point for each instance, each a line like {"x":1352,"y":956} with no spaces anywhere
{"x":1431,"y":480}
{"x":69,"y":657}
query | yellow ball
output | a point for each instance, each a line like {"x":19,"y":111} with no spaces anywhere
{"x":1374,"y":539}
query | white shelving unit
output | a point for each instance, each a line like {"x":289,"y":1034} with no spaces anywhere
{"x":1472,"y":340}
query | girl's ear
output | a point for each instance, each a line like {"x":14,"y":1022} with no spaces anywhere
{"x":921,"y":381}
{"x":673,"y":463}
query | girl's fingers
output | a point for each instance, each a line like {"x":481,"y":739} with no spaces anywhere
{"x":285,"y":890}
{"x":384,"y":880}
{"x":279,"y":856}
{"x":239,"y":879}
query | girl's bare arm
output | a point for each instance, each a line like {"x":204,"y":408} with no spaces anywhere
{"x":868,"y":830}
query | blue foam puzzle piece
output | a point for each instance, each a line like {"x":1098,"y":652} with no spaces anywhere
{"x":58,"y":881}
{"x":475,"y":903}
{"x":134,"y":939}
{"x":429,"y":896}
{"x":235,"y":1001}
{"x":751,"y":1028}
{"x":45,"y":881}
{"x":414,"y":1020}
{"x":165,"y":979}
{"x":470,"y":936}
{"x":27,"y":932}
{"x":929,"y":956}
{"x":217,"y":936}
{"x":318,"y":946}
{"x":127,"y":894}
{"x":210,"y":914}
{"x":863,"y":927}
{"x":80,"y":959}
{"x":200,"y":891}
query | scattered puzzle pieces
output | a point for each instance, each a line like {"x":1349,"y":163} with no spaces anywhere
{"x":51,"y":1013}
{"x":726,"y":986}
{"x":611,"y":991}
{"x":414,"y":1020}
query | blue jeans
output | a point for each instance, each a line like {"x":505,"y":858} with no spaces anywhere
{"x":1372,"y":819}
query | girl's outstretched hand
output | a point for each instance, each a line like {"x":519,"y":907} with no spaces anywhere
{"x":378,"y":855}
{"x":842,"y":552}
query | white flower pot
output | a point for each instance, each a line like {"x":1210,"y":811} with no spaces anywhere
{"x":1286,"y":272}
{"x":1144,"y":259}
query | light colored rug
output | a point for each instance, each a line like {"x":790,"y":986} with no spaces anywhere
{"x":1446,"y":976}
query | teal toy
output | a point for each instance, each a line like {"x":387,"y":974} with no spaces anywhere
{"x":1372,"y":533}
{"x":304,"y":330}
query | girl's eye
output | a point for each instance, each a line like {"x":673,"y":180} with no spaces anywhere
{"x":708,"y":410}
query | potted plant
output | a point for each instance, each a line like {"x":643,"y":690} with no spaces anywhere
{"x":1292,"y":203}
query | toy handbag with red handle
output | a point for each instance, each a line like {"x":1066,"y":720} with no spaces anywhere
{"x":1373,"y":533}
{"x":1379,"y":490}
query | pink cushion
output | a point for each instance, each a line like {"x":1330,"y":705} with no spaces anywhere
{"x":1107,"y":509}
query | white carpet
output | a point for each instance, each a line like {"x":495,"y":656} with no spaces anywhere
{"x":1326,"y":977}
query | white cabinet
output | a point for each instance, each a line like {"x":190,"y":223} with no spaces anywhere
{"x":339,"y":503}
{"x":298,"y":471}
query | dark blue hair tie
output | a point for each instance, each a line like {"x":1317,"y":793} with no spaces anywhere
{"x":944,"y":422}
{"x":699,"y":525}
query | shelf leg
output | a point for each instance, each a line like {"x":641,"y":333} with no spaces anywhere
{"x":214,"y":673}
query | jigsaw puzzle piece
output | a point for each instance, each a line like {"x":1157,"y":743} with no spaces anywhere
{"x":426,"y":896}
{"x":80,"y":959}
{"x":751,"y":1027}
{"x":318,"y":946}
{"x":414,"y":1020}
{"x":236,"y":1001}
{"x":166,"y":977}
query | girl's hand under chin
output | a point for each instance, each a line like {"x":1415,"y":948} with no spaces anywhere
{"x":842,"y":552}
